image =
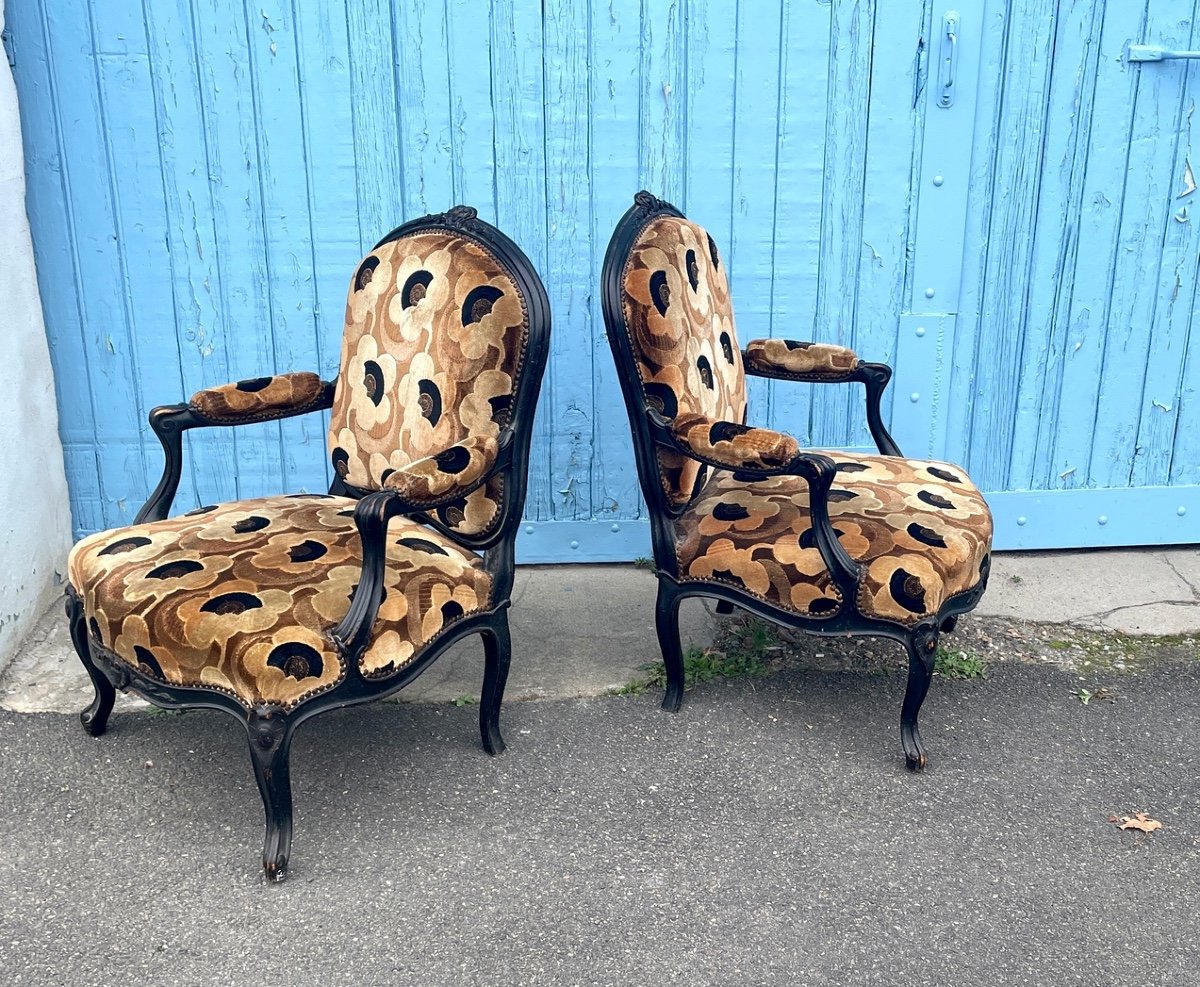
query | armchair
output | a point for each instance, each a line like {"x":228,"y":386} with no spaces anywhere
{"x":279,"y":608}
{"x":823,"y":541}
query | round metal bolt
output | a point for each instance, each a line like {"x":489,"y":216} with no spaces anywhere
{"x":1102,"y":519}
{"x":920,"y":330}
{"x":529,"y":529}
{"x":938,"y":180}
{"x":914,"y":397}
{"x":1182,"y":511}
{"x":615,"y":527}
{"x":574,"y":544}
{"x":1021,"y":521}
{"x":929,"y":292}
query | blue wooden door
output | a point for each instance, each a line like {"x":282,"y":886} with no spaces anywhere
{"x":203,"y":175}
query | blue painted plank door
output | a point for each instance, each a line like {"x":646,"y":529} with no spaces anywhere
{"x":204,"y":174}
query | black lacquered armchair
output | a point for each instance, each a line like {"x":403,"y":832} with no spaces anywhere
{"x":278,"y":608}
{"x":819,"y":540}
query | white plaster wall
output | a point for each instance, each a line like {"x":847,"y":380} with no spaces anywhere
{"x":35,"y":520}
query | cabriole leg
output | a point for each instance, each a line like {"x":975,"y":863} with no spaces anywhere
{"x":270,"y":742}
{"x":666,"y":622}
{"x":497,"y":653}
{"x":724,"y":608}
{"x":95,"y":717}
{"x":922,"y":650}
{"x":949,"y":624}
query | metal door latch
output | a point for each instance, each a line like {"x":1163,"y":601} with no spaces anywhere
{"x":1156,"y":53}
{"x":948,"y":65}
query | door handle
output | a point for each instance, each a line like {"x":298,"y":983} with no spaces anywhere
{"x":1156,"y":53}
{"x":948,"y":64}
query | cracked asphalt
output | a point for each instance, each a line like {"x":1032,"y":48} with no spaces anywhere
{"x":766,"y":835}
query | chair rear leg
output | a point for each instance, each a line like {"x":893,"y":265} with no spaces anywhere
{"x":666,"y":622}
{"x":497,"y":654}
{"x":95,"y":717}
{"x":922,"y":650}
{"x":270,"y":736}
{"x":950,"y":624}
{"x":724,"y":608}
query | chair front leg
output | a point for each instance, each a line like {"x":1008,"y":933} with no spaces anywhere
{"x":922,"y":652}
{"x":270,"y":734}
{"x":95,"y":717}
{"x":666,"y":622}
{"x":497,"y":653}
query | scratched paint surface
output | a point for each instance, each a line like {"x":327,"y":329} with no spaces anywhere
{"x":203,"y":175}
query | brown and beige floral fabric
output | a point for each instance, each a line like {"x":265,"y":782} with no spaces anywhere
{"x":920,"y":530}
{"x":680,"y":320}
{"x":259,"y":399}
{"x":733,"y":445}
{"x":435,"y":338}
{"x":800,"y":361}
{"x":240,"y":598}
{"x":454,"y":472}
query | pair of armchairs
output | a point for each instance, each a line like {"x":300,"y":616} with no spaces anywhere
{"x":278,"y":608}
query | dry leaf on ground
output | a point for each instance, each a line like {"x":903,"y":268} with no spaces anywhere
{"x":1140,"y":820}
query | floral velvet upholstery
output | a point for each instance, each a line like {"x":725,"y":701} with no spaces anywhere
{"x":680,"y":320}
{"x":435,"y":339}
{"x":920,"y":530}
{"x":258,"y":399}
{"x":239,"y":598}
{"x":788,"y":358}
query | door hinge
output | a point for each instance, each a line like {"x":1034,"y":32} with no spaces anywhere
{"x":7,"y":41}
{"x":1156,"y":53}
{"x":948,"y":60}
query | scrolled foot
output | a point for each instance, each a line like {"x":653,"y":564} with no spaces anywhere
{"x":95,"y":717}
{"x":914,"y":752}
{"x":270,"y":736}
{"x":497,"y":654}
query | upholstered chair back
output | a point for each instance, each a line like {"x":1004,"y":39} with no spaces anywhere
{"x":434,"y":345}
{"x":679,"y":316}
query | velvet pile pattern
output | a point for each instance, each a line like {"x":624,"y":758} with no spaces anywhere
{"x":258,"y":399}
{"x":240,"y":598}
{"x":680,"y":319}
{"x":793,"y":360}
{"x":435,"y":337}
{"x":733,"y":445}
{"x":920,"y":530}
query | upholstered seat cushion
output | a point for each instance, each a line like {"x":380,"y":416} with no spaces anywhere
{"x":239,"y":598}
{"x":920,"y":529}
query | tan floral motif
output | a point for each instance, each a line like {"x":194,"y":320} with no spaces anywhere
{"x":680,"y":320}
{"x":435,"y":336}
{"x":241,"y":597}
{"x":788,"y":358}
{"x":246,"y":400}
{"x":921,"y":530}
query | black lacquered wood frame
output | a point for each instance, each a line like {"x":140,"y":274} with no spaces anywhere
{"x":652,"y":432}
{"x":270,"y":727}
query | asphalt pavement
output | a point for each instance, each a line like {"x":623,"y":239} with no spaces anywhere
{"x":768,"y":834}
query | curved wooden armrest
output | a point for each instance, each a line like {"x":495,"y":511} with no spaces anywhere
{"x":789,"y":359}
{"x":262,"y":399}
{"x":372,"y":515}
{"x":297,"y":395}
{"x":817,"y":469}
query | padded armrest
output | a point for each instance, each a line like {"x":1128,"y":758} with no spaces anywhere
{"x":448,"y":474}
{"x":732,"y":445}
{"x":792,"y":360}
{"x":261,"y":399}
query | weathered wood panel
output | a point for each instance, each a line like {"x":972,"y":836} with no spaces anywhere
{"x":203,"y":175}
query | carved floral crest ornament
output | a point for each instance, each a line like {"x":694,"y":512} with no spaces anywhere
{"x":824,"y":541}
{"x":278,"y":608}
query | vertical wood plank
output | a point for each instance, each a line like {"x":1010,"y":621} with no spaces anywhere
{"x":424,"y":98}
{"x":472,"y":132}
{"x":569,"y":276}
{"x":47,"y":179}
{"x":615,"y":82}
{"x":851,"y":31}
